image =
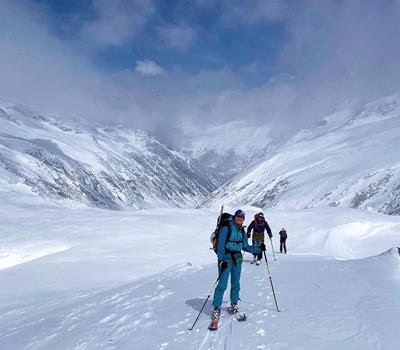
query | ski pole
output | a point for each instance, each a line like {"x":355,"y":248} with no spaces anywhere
{"x":273,"y":251}
{"x":208,"y":297}
{"x":270,"y":279}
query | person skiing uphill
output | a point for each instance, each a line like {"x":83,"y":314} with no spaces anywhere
{"x":229,"y":253}
{"x":258,"y":225}
{"x":283,"y":239}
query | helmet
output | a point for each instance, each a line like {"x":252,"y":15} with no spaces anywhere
{"x":261,"y":214}
{"x":240,"y":212}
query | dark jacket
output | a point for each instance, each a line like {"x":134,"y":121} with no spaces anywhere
{"x":283,"y":235}
{"x":258,"y":228}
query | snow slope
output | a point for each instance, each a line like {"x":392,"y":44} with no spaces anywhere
{"x":350,"y":159}
{"x":99,"y":166}
{"x":325,"y":304}
{"x":136,"y":279}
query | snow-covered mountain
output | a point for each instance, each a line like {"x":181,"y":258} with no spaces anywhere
{"x":225,"y":150}
{"x":103,"y":167}
{"x":350,"y":158}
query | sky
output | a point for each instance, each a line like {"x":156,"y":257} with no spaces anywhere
{"x":174,"y":66}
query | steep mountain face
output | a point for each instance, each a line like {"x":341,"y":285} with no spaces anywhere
{"x":103,"y":167}
{"x":224,"y":151}
{"x":350,"y":159}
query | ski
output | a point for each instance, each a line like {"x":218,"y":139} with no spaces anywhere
{"x":213,"y":325}
{"x":240,"y":316}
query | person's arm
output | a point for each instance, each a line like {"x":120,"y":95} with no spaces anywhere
{"x":223,"y":233}
{"x":251,"y":226}
{"x":269,"y":231}
{"x":250,"y":248}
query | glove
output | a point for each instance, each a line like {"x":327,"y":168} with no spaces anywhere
{"x":262,"y":247}
{"x":223,"y":264}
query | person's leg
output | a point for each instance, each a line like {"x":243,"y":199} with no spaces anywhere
{"x":222,"y":284}
{"x":253,"y":242}
{"x":281,"y":246}
{"x":284,"y":244}
{"x":235,"y":282}
{"x":259,"y":257}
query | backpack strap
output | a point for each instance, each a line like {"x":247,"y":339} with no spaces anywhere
{"x":232,"y":255}
{"x":228,"y":251}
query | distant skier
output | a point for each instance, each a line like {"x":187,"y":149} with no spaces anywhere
{"x":258,"y":225}
{"x":283,"y":239}
{"x":232,"y":240}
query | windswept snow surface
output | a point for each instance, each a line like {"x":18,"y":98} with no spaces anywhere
{"x":85,"y":278}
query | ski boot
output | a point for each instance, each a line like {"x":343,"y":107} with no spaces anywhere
{"x":215,"y":319}
{"x":233,"y":309}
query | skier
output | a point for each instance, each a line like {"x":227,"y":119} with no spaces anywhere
{"x":258,"y":225}
{"x":230,"y":262}
{"x":283,"y":239}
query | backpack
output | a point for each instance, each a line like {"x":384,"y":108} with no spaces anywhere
{"x":223,"y":220}
{"x":257,"y":224}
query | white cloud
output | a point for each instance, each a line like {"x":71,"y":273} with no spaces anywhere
{"x":336,"y":51}
{"x":149,"y":68}
{"x":117,"y":21}
{"x":180,"y":37}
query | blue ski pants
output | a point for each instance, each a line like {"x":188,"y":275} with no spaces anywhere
{"x":234,"y":271}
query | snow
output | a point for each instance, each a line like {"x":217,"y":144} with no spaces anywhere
{"x":96,"y":165}
{"x":351,"y":160}
{"x":82,"y":278}
{"x":77,"y":278}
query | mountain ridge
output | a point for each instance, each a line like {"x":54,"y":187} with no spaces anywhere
{"x":348,"y":159}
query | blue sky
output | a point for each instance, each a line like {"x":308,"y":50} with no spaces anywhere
{"x":282,"y":64}
{"x":217,"y":39}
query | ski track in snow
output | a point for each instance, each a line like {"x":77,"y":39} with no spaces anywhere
{"x":222,"y":338}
